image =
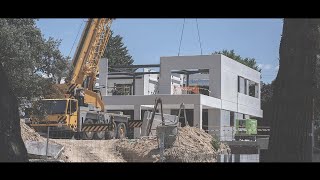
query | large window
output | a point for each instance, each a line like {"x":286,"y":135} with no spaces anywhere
{"x":253,"y":89}
{"x":53,"y":106}
{"x":241,"y":85}
{"x":248,"y":87}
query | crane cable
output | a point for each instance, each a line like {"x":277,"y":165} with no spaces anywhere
{"x":75,"y":38}
{"x":199,"y":39}
{"x":199,"y":36}
{"x":184,"y":20}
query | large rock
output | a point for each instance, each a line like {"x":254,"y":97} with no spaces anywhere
{"x":12,"y":147}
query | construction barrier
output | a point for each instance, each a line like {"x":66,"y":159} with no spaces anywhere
{"x":134,"y":124}
{"x":94,"y":128}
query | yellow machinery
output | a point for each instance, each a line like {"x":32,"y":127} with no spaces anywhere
{"x":85,"y":117}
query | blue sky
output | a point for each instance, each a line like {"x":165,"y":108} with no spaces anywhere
{"x":149,"y":39}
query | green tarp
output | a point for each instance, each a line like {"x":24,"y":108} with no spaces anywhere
{"x":246,"y":126}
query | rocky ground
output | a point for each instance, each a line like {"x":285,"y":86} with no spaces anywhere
{"x":89,"y":151}
{"x":29,"y":134}
{"x":191,"y":145}
{"x":77,"y":150}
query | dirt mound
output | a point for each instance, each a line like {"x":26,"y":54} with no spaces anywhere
{"x":89,"y":151}
{"x":29,"y":134}
{"x":191,"y":145}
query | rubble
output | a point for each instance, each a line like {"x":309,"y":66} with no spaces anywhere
{"x":29,"y":134}
{"x":191,"y":145}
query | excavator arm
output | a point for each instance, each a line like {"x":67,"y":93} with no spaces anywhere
{"x":85,"y":63}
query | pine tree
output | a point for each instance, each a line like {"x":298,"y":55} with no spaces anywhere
{"x":117,"y":53}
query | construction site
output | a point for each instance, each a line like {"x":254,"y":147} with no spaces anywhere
{"x":195,"y":108}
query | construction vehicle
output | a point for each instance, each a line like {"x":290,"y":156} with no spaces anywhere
{"x":82,"y":110}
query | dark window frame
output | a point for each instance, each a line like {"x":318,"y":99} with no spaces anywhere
{"x":232,"y":115}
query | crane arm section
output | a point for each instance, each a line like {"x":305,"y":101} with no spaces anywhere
{"x":85,"y":63}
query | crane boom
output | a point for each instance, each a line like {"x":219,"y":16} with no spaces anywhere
{"x":84,"y":117}
{"x":85,"y":63}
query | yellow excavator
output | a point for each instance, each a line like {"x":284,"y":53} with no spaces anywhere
{"x":82,"y":112}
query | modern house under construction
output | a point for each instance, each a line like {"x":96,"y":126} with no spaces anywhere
{"x":215,"y":89}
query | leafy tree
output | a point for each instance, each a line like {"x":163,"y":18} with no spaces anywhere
{"x":27,"y":56}
{"x":117,"y":53}
{"x":250,"y":62}
{"x":55,"y":64}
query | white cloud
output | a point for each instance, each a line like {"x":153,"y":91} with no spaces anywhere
{"x":265,"y":66}
{"x":277,"y":67}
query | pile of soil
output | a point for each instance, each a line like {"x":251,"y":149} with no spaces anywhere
{"x":88,"y":151}
{"x":191,"y":145}
{"x":29,"y":134}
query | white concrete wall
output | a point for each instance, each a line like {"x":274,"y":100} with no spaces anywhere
{"x":229,"y":85}
{"x":240,"y":69}
{"x":223,"y":80}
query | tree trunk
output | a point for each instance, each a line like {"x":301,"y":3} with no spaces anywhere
{"x":12,"y":148}
{"x":293,"y":99}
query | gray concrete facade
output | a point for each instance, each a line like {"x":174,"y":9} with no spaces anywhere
{"x":223,"y":80}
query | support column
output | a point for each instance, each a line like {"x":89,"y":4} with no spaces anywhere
{"x":164,"y":83}
{"x":197,"y":116}
{"x":137,"y":112}
{"x":137,"y":116}
{"x":136,"y":133}
{"x":214,"y":122}
{"x":103,"y":76}
{"x":134,"y":84}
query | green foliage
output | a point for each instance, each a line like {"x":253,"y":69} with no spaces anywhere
{"x":250,"y":62}
{"x":117,"y":53}
{"x":26,"y":56}
{"x":215,"y":142}
{"x":55,"y":63}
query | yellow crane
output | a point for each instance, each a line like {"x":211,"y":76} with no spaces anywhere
{"x":82,"y":110}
